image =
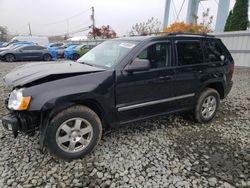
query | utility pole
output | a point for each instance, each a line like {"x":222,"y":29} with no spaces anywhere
{"x":67,"y":27}
{"x":166,"y":13}
{"x":30,"y":30}
{"x":93,"y":21}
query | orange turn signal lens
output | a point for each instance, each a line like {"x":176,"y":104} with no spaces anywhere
{"x":25,"y":103}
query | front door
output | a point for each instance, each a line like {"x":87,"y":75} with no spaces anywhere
{"x":146,"y":93}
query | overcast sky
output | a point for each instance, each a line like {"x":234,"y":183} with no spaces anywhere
{"x":49,"y":17}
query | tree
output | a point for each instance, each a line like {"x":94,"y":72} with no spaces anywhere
{"x":203,"y":27}
{"x":238,"y":19}
{"x":149,"y":27}
{"x":3,"y":34}
{"x":104,"y":32}
{"x":228,"y":22}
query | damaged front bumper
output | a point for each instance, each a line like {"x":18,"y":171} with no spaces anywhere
{"x":15,"y":122}
{"x":10,"y":123}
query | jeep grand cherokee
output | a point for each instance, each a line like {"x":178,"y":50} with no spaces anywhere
{"x":118,"y":82}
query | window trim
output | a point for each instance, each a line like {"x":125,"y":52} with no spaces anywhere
{"x":176,"y":52}
{"x":152,"y":43}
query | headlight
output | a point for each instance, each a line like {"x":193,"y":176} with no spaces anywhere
{"x":17,"y":101}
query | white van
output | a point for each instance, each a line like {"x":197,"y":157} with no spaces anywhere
{"x":43,"y":41}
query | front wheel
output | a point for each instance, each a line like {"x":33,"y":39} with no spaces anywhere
{"x":75,"y":57}
{"x":74,"y":133}
{"x":47,"y":57}
{"x":207,"y":105}
{"x":10,"y":58}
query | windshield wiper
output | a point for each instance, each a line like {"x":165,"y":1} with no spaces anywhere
{"x":87,"y":64}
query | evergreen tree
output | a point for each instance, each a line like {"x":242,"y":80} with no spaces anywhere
{"x":228,"y":23}
{"x":238,"y":20}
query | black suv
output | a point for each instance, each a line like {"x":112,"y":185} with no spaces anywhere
{"x":118,"y":82}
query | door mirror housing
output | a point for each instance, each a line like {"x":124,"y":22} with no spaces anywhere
{"x":138,"y":65}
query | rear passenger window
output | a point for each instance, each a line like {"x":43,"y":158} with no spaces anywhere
{"x":158,"y":55}
{"x":214,"y":51}
{"x":189,"y":52}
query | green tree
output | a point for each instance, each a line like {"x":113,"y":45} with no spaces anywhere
{"x":238,"y":20}
{"x":149,"y":27}
{"x":3,"y":34}
{"x":228,"y":22}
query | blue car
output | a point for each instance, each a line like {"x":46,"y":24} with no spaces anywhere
{"x":70,"y":51}
{"x":53,"y":52}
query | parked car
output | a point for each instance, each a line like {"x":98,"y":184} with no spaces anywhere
{"x":83,"y":49}
{"x":60,"y":50}
{"x":76,"y":52}
{"x":53,"y":52}
{"x":22,"y":53}
{"x":118,"y":82}
{"x":1,"y":43}
{"x":68,"y":52}
{"x":56,"y":44}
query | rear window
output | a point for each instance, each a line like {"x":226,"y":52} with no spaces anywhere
{"x":189,"y":52}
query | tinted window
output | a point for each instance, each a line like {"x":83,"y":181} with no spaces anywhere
{"x":28,"y":48}
{"x":158,"y":55}
{"x":214,"y":51}
{"x":189,"y":52}
{"x":38,"y":48}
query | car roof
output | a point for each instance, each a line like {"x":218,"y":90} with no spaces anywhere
{"x":164,"y":36}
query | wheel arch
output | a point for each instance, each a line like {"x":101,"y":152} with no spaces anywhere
{"x":219,"y":87}
{"x":9,"y":54}
{"x":48,"y":114}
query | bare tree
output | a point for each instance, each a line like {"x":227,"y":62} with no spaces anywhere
{"x":151,"y":26}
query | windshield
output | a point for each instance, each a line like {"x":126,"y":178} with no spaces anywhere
{"x":108,"y":53}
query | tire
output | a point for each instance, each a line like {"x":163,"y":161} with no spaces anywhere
{"x":9,"y":58}
{"x":47,"y":57}
{"x":75,"y":57}
{"x":207,"y":105}
{"x":74,"y":133}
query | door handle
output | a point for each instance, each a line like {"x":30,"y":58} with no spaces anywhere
{"x":165,"y":77}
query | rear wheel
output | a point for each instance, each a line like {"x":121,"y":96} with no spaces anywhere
{"x":207,"y":105}
{"x":9,"y":58}
{"x":75,"y":57}
{"x":74,"y":133}
{"x":47,"y":57}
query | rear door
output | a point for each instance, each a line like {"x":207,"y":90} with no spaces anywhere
{"x":188,"y":70}
{"x":26,"y":53}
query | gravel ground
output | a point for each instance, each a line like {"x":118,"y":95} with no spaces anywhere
{"x":166,"y":152}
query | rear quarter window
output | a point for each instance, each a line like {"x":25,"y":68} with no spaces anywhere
{"x":214,"y":50}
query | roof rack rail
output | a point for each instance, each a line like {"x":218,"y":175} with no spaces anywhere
{"x":192,"y":34}
{"x":175,"y":34}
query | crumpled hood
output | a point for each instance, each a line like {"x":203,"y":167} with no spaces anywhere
{"x":34,"y":71}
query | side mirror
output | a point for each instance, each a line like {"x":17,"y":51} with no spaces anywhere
{"x":138,"y":65}
{"x":222,"y":57}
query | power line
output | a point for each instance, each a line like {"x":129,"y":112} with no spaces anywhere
{"x":174,"y":9}
{"x":180,"y":10}
{"x":66,"y":19}
{"x":202,"y":7}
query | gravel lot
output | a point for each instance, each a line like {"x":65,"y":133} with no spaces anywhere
{"x":166,"y":152}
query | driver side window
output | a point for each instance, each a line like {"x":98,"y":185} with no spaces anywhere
{"x":158,"y":54}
